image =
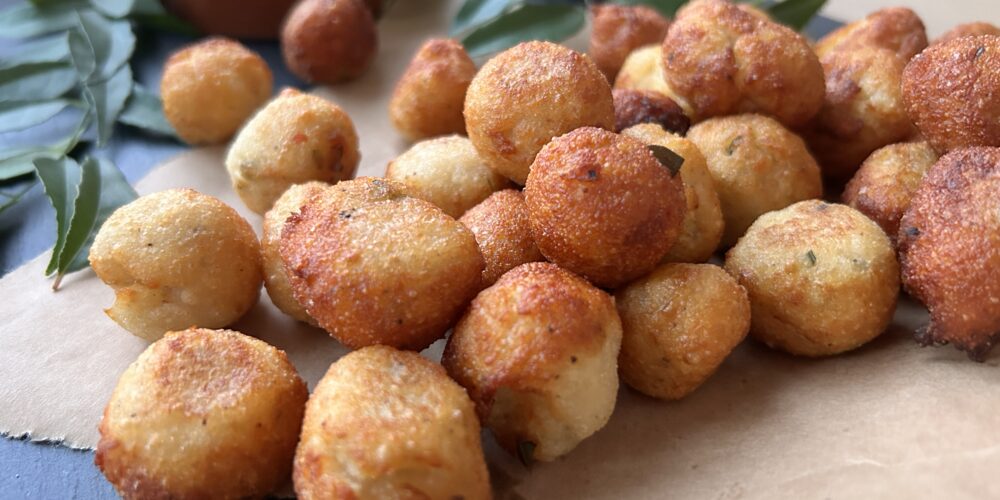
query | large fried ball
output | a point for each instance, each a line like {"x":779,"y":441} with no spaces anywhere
{"x":177,"y":258}
{"x":500,"y":224}
{"x":329,"y":41}
{"x":897,"y":29}
{"x":202,"y":414}
{"x":525,"y":96}
{"x":633,"y":107}
{"x":969,"y":29}
{"x":949,"y":245}
{"x":384,"y":423}
{"x":210,"y":88}
{"x":447,"y":172}
{"x":429,"y":97}
{"x":757,"y":166}
{"x":822,"y":278}
{"x":678,"y":325}
{"x":296,"y":138}
{"x":601,"y":205}
{"x":617,"y":30}
{"x":703,"y":223}
{"x":952,"y":92}
{"x":538,"y":352}
{"x":374,"y":266}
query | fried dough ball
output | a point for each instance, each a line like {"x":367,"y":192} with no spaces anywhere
{"x":884,"y":185}
{"x":822,"y":278}
{"x":952,"y":93}
{"x":210,"y":88}
{"x":329,"y":41}
{"x":601,"y":205}
{"x":897,"y":29}
{"x":617,"y":30}
{"x":724,"y":60}
{"x":259,"y":19}
{"x":384,"y":423}
{"x":643,"y":70}
{"x":949,"y":246}
{"x":538,"y":353}
{"x":757,"y":166}
{"x":500,"y":224}
{"x":374,"y":266}
{"x":969,"y":29}
{"x":202,"y":414}
{"x":296,"y":138}
{"x":528,"y":94}
{"x":177,"y":258}
{"x":702,"y":227}
{"x":447,"y":172}
{"x":429,"y":97}
{"x":633,"y":107}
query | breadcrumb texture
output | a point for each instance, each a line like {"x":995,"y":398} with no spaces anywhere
{"x":500,"y":224}
{"x":897,"y":29}
{"x":429,"y":98}
{"x":617,"y":30}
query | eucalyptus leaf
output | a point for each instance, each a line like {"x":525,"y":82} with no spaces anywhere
{"x":46,"y":50}
{"x":476,"y":12}
{"x":795,"y":13}
{"x":526,"y":22}
{"x":112,"y":43}
{"x":110,"y":191}
{"x":39,"y":81}
{"x":25,"y":20}
{"x":61,"y":179}
{"x":114,"y":8}
{"x":144,"y":110}
{"x":21,"y":115}
{"x":107,"y":99}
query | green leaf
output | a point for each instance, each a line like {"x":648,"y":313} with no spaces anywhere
{"x":12,"y":199}
{"x":476,"y":12}
{"x":144,"y":110}
{"x":47,"y":50}
{"x":526,"y":452}
{"x":61,"y":178}
{"x":36,"y":81}
{"x":21,"y":115}
{"x":114,"y":8}
{"x":150,"y":14}
{"x":106,"y":100}
{"x":666,"y":7}
{"x":25,"y":20}
{"x":795,"y":13}
{"x":667,"y":158}
{"x":110,"y":191}
{"x":526,"y":22}
{"x":15,"y":162}
{"x":111,"y":42}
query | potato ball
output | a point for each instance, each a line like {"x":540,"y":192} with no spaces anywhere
{"x":500,"y":224}
{"x":949,"y":245}
{"x":969,"y":29}
{"x":202,"y":414}
{"x":633,"y":107}
{"x":374,"y":266}
{"x":384,"y":423}
{"x":896,"y":29}
{"x":601,"y":205}
{"x":678,"y":325}
{"x":525,"y":96}
{"x":822,"y":278}
{"x":296,"y":138}
{"x":757,"y":166}
{"x":429,"y":97}
{"x":617,"y":30}
{"x":329,"y":41}
{"x":447,"y":172}
{"x":210,"y":88}
{"x":643,"y":70}
{"x":538,"y":352}
{"x":176,"y":259}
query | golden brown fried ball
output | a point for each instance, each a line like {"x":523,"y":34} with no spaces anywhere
{"x":296,"y":138}
{"x":329,"y":41}
{"x":500,"y":224}
{"x":175,"y":259}
{"x":643,"y":70}
{"x":260,"y":19}
{"x":202,"y":414}
{"x":884,"y":185}
{"x":949,"y":246}
{"x":897,"y":29}
{"x":602,"y":206}
{"x":757,"y":166}
{"x":822,"y":278}
{"x":617,"y":30}
{"x":679,"y":324}
{"x":429,"y":97}
{"x":384,"y":423}
{"x":210,"y":88}
{"x":703,"y":224}
{"x":447,"y":172}
{"x":969,"y":29}
{"x":952,"y":93}
{"x":525,"y":96}
{"x":374,"y":266}
{"x":538,"y":353}
{"x":633,"y":107}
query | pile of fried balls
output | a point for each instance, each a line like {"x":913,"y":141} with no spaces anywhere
{"x":555,"y":214}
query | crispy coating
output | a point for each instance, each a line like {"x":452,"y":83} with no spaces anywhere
{"x":329,"y":41}
{"x":969,"y":29}
{"x":949,"y":246}
{"x":500,"y":224}
{"x":897,"y":29}
{"x":643,"y":70}
{"x":175,"y":259}
{"x":525,"y":96}
{"x":384,"y":423}
{"x":822,"y":278}
{"x":374,"y":266}
{"x":538,"y":352}
{"x":617,"y":30}
{"x":447,"y":172}
{"x":602,"y":206}
{"x":210,"y":88}
{"x":633,"y":107}
{"x":296,"y":138}
{"x":429,"y":97}
{"x":202,"y":414}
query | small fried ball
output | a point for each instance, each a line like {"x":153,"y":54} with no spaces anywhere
{"x":211,"y":88}
{"x":329,"y":41}
{"x":643,"y":70}
{"x":949,"y":246}
{"x":897,"y":29}
{"x":969,"y":29}
{"x":384,"y":423}
{"x":678,"y":325}
{"x":177,"y":258}
{"x":296,"y":138}
{"x":538,"y":353}
{"x":822,"y":278}
{"x":633,"y":107}
{"x":500,"y":224}
{"x":255,"y":19}
{"x":617,"y":30}
{"x":447,"y":172}
{"x":528,"y":94}
{"x":429,"y":97}
{"x":202,"y":414}
{"x":602,"y":206}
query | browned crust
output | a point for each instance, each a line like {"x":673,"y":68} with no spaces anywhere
{"x":633,"y":107}
{"x":898,"y":29}
{"x":969,"y":29}
{"x":503,"y":233}
{"x":429,"y":98}
{"x":617,"y":30}
{"x":329,"y":41}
